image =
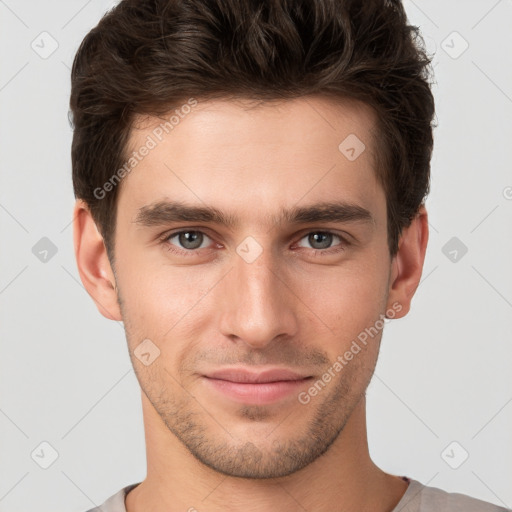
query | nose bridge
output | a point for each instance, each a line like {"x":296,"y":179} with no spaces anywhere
{"x":258,"y":305}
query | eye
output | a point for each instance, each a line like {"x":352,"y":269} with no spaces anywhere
{"x":321,"y":240}
{"x":188,"y":241}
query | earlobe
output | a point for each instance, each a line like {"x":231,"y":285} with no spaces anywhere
{"x":93,"y":263}
{"x":407,"y":265}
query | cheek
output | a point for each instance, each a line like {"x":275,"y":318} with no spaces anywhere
{"x":346,"y":299}
{"x":163,"y":301}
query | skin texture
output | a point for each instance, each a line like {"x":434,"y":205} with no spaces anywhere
{"x":292,"y":307}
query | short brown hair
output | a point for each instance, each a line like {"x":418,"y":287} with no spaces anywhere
{"x":146,"y":57}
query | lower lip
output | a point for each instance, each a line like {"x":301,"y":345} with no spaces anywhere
{"x":257,"y":393}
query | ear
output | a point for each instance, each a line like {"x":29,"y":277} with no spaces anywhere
{"x":407,"y":264}
{"x":93,"y":263}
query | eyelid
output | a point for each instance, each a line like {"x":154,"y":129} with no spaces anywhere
{"x":177,"y":231}
{"x":345,"y":237}
{"x":164,"y":239}
{"x":343,"y":240}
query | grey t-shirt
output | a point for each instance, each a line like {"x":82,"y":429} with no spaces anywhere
{"x":417,"y":498}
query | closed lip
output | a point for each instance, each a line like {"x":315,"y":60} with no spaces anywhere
{"x":245,"y":375}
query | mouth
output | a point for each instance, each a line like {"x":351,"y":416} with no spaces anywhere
{"x":256,"y":387}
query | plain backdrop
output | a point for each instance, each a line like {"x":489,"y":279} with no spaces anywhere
{"x":440,"y":403}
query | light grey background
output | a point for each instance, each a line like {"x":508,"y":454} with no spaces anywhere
{"x":444,"y":372}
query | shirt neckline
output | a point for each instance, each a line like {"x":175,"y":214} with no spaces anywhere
{"x":412,"y":490}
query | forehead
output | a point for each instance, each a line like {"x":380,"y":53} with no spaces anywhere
{"x":300,"y":116}
{"x":256,"y":156}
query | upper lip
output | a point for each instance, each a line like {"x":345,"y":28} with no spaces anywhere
{"x":246,"y":375}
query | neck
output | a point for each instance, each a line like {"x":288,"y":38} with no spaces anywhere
{"x":345,"y":475}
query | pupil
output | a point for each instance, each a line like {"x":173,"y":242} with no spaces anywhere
{"x":190,"y":239}
{"x":314,"y":238}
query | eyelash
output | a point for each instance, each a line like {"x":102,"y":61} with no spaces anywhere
{"x":164,"y":239}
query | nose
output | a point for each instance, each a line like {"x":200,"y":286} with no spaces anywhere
{"x":258,"y":305}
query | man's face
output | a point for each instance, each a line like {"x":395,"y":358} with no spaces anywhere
{"x":264,"y":293}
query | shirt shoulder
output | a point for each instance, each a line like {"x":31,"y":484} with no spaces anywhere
{"x":422,"y":498}
{"x":116,"y":502}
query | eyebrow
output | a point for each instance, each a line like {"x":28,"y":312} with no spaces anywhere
{"x":166,"y":212}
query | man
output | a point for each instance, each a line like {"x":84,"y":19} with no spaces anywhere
{"x":250,"y":181}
